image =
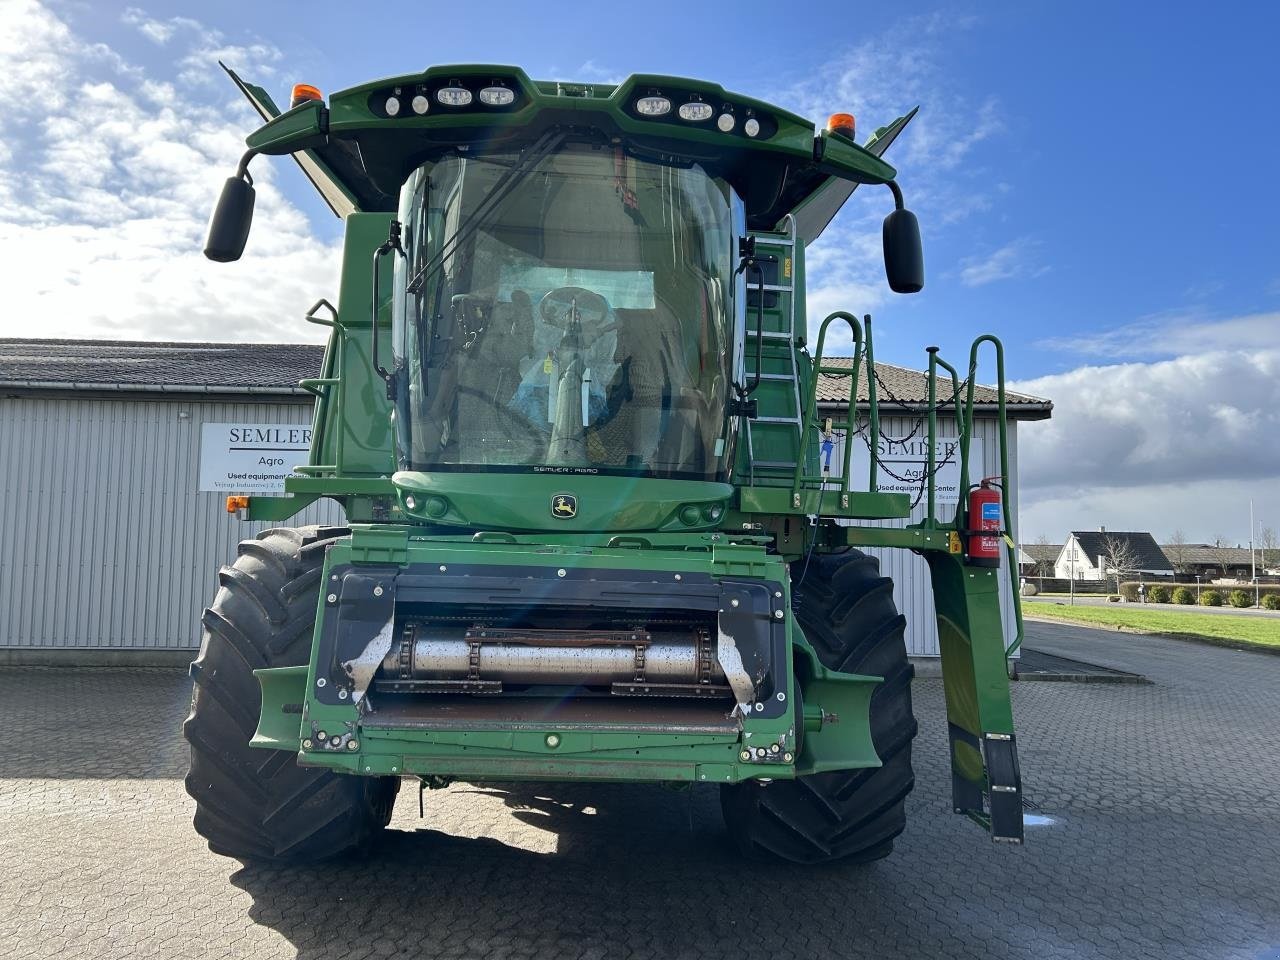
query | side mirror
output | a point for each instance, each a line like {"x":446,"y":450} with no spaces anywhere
{"x":903,"y":255}
{"x":229,"y":225}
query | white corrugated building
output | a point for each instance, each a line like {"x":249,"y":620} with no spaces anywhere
{"x":111,"y":545}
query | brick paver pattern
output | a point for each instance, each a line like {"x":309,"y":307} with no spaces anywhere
{"x":1165,"y":842}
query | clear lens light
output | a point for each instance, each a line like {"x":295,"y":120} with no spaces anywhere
{"x":695,"y":111}
{"x":420,"y":104}
{"x":454,"y":96}
{"x":497,"y":96}
{"x":393,"y":106}
{"x":725,"y":122}
{"x":411,"y":503}
{"x":751,"y":127}
{"x":653,"y":106}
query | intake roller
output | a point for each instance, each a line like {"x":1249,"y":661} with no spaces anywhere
{"x":575,"y":662}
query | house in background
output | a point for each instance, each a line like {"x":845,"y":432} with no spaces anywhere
{"x":1211,"y":562}
{"x":1092,"y":555}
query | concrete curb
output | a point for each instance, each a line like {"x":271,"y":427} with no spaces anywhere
{"x":96,"y":657}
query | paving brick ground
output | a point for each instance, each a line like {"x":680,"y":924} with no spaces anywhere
{"x":1165,"y":843}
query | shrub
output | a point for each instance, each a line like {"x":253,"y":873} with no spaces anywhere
{"x":1114,"y":598}
{"x":1184,"y":595}
{"x":1129,"y":590}
{"x":1158,"y":593}
{"x":1211,"y":598}
{"x":1271,"y":602}
{"x":1240,"y":598}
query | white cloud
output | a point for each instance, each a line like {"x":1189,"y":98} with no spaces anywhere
{"x":104,"y":200}
{"x":1014,"y":259}
{"x":1145,"y":445}
{"x":1175,"y":333}
{"x":877,"y":80}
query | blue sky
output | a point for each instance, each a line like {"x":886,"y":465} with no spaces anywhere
{"x":1095,"y":185}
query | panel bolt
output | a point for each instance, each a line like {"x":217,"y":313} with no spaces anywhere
{"x":745,"y":755}
{"x":321,"y":736}
{"x":787,"y":758}
{"x":443,"y":568}
{"x":733,"y":602}
{"x":781,"y":696}
{"x":377,"y":591}
{"x":777,"y":614}
{"x":678,"y":577}
{"x":306,"y":744}
{"x":778,"y":594}
{"x":553,"y":740}
{"x":342,"y":694}
{"x":332,"y":598}
{"x":774,"y":748}
{"x":321,"y":682}
{"x":353,"y":744}
{"x":759,"y":707}
{"x":561,"y":572}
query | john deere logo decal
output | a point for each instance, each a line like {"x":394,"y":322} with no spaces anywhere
{"x":564,"y":506}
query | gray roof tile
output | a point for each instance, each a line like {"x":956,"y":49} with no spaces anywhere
{"x":146,"y":364}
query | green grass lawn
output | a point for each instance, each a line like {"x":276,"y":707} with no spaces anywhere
{"x":1261,"y":632}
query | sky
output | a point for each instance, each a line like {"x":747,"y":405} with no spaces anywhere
{"x":1095,"y":185}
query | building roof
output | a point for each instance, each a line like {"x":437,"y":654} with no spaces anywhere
{"x":1206,"y":554}
{"x":145,"y":366}
{"x":895,"y":384}
{"x":1147,"y":553}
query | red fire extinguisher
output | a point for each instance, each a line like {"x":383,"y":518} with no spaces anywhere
{"x":985,"y":528}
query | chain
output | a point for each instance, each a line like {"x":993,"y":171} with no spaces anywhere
{"x":927,"y":475}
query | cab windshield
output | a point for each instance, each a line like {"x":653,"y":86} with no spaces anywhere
{"x":569,"y":313}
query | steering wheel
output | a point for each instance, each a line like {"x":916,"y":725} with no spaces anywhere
{"x":557,"y":307}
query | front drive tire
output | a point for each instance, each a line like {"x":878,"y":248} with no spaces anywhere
{"x":256,"y":804}
{"x":846,"y":610}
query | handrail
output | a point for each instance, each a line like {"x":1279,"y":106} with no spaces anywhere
{"x":1011,"y":538}
{"x":962,"y":428}
{"x":806,"y":414}
{"x":873,"y":415}
{"x":332,"y":368}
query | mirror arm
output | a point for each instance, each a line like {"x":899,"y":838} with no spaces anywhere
{"x":897,"y":194}
{"x":242,"y":169}
{"x":391,"y":243}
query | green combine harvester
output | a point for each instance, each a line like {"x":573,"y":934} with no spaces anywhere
{"x":568,"y":408}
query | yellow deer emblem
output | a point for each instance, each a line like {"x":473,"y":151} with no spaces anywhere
{"x":564,"y":506}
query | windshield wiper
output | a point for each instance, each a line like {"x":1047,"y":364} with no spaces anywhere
{"x":500,"y":190}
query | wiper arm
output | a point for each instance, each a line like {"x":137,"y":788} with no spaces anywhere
{"x":488,"y":206}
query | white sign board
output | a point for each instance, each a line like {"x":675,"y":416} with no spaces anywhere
{"x":251,"y":457}
{"x":903,"y":465}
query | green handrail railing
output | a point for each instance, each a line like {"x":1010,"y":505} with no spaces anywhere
{"x":807,"y":421}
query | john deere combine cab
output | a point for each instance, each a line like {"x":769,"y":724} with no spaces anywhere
{"x":568,"y":408}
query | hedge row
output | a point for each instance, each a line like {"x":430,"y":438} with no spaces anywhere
{"x":1269,"y":596}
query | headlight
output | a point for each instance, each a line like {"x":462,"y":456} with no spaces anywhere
{"x":497,"y":96}
{"x":392,"y":106}
{"x":454,"y":96}
{"x":653,"y":106}
{"x":752,"y":127}
{"x":725,"y":122}
{"x":420,"y":104}
{"x":695,"y":111}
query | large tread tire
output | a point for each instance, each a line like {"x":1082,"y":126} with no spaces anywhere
{"x":846,"y":610}
{"x":256,"y":804}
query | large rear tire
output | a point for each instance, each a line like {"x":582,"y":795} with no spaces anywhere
{"x":256,"y":804}
{"x":846,"y":610}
